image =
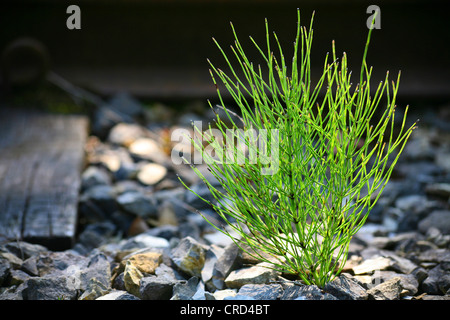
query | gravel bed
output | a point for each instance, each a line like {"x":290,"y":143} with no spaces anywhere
{"x":140,"y":236}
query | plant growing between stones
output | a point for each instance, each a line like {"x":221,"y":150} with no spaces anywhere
{"x":335,"y":157}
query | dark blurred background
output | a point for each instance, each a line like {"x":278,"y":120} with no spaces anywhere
{"x":157,"y":49}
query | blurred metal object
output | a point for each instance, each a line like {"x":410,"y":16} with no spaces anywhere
{"x":78,"y":94}
{"x":24,"y":62}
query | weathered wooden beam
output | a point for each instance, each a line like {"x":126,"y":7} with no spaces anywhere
{"x":41,"y":158}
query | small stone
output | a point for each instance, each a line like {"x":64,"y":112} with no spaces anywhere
{"x":380,"y":242}
{"x":420,"y":274}
{"x":311,"y":292}
{"x":230,"y":260}
{"x":392,"y":218}
{"x":167,"y":214}
{"x":364,"y":281}
{"x":211,"y":257}
{"x":346,"y":288}
{"x":94,"y":176}
{"x":437,"y":219}
{"x":96,"y":234}
{"x":414,"y":208}
{"x":118,"y":295}
{"x":262,"y":291}
{"x":29,"y":266}
{"x":118,"y":282}
{"x":146,"y":262}
{"x":132,"y":278}
{"x":436,"y":256}
{"x":5,"y":268}
{"x":434,"y":235}
{"x":435,"y":297}
{"x":18,"y":277}
{"x":189,"y":228}
{"x":400,"y":264}
{"x":13,"y":292}
{"x":94,"y":290}
{"x":124,"y":186}
{"x":112,"y":159}
{"x":175,"y":195}
{"x":104,"y":119}
{"x":239,"y":297}
{"x":156,"y":288}
{"x":48,"y":288}
{"x":443,"y":160}
{"x":222,"y":294}
{"x":24,"y":250}
{"x":125,"y":134}
{"x":397,"y":241}
{"x":200,"y":293}
{"x":144,"y":146}
{"x":164,"y":271}
{"x":148,"y":149}
{"x":411,"y":203}
{"x":428,"y":265}
{"x":254,"y":275}
{"x":209,"y":296}
{"x":145,"y":240}
{"x":389,"y":290}
{"x":408,"y":282}
{"x":218,"y":238}
{"x":370,"y":265}
{"x":56,"y":263}
{"x":438,"y":281}
{"x":189,"y":256}
{"x":420,"y":246}
{"x":166,"y":231}
{"x":90,"y":212}
{"x":139,"y":204}
{"x":103,"y":196}
{"x":185,"y":290}
{"x":438,"y":189}
{"x":151,"y":173}
{"x":14,"y":261}
{"x":137,"y":226}
{"x":126,"y":172}
{"x":98,"y":268}
{"x":370,"y":253}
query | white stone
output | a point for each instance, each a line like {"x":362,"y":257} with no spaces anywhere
{"x":253,"y":275}
{"x":151,"y":241}
{"x":151,"y":173}
{"x":221,"y":294}
{"x":219,"y":238}
{"x":124,"y":133}
{"x":371,"y":265}
{"x":112,"y":295}
{"x":149,"y":149}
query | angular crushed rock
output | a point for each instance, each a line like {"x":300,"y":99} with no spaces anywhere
{"x":389,"y":290}
{"x":346,"y":288}
{"x":253,"y":275}
{"x":189,"y":256}
{"x":312,"y":292}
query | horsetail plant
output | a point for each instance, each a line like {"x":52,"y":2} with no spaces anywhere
{"x":333,"y":158}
